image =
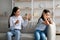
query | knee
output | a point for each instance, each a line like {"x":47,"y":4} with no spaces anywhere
{"x":17,"y":32}
{"x":37,"y":35}
{"x":8,"y":34}
{"x":43,"y":36}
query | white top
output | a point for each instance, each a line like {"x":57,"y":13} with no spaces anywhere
{"x":13,"y":19}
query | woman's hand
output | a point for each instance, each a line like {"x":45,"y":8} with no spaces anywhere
{"x":46,"y":21}
{"x":27,"y":17}
{"x":17,"y":22}
{"x":50,"y":20}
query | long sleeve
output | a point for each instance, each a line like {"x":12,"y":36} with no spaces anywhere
{"x":24,"y":22}
{"x":18,"y":25}
{"x":40,"y":26}
{"x":40,"y":21}
{"x":11,"y":22}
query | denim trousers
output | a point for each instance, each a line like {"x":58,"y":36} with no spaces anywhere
{"x":13,"y":33}
{"x":40,"y":35}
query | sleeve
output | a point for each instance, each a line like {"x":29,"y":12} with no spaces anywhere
{"x":53,"y":20}
{"x":40,"y":21}
{"x":11,"y":21}
{"x":24,"y":22}
{"x":53,"y":24}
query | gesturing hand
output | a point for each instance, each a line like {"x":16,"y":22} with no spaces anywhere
{"x":27,"y":17}
{"x":17,"y":22}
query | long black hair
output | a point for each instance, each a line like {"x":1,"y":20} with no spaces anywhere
{"x":12,"y":14}
{"x":45,"y":11}
{"x":14,"y":11}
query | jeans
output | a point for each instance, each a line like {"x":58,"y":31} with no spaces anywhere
{"x":40,"y":35}
{"x":15,"y":33}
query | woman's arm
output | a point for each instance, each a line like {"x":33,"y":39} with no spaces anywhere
{"x":11,"y":21}
{"x":24,"y":22}
{"x":46,"y":21}
{"x":16,"y":22}
{"x":25,"y":19}
{"x":42,"y":21}
{"x":50,"y":21}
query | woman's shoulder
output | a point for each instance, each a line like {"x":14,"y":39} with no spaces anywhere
{"x":11,"y":17}
{"x":40,"y":19}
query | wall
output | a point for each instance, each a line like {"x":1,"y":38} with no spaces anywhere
{"x":5,"y":6}
{"x":37,"y":8}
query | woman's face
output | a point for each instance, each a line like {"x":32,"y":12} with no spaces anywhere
{"x":17,"y":13}
{"x":47,"y":15}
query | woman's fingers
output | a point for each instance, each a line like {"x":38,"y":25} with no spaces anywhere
{"x":27,"y":17}
{"x":17,"y":22}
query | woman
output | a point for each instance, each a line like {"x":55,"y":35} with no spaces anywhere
{"x":42,"y":25}
{"x":15,"y":22}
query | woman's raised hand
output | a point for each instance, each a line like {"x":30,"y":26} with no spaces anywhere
{"x":27,"y":17}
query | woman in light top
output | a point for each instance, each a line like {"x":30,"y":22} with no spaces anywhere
{"x":43,"y":23}
{"x":15,"y":23}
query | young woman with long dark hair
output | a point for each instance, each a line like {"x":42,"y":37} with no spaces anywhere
{"x":42,"y":26}
{"x":15,"y":23}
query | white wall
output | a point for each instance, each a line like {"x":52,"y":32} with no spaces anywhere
{"x":57,"y":12}
{"x":5,"y":6}
{"x":45,"y":4}
{"x":22,"y":6}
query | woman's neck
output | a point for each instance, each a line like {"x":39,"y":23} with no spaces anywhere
{"x":16,"y":16}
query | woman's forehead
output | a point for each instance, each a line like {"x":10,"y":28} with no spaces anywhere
{"x":18,"y":10}
{"x":48,"y":13}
